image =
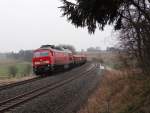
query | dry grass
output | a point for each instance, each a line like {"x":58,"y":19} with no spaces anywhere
{"x":120,"y":92}
{"x":4,"y":81}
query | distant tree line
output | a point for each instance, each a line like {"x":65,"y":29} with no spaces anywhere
{"x":25,"y":55}
{"x":114,"y":49}
{"x":93,"y":49}
{"x":2,"y":56}
{"x":108,"y":49}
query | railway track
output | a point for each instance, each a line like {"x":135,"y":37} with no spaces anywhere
{"x":11,"y":103}
{"x":4,"y":87}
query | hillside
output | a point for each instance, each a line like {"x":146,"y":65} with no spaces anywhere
{"x":121,"y":90}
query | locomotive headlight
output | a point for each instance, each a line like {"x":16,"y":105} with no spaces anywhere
{"x":46,"y":61}
{"x":36,"y":63}
{"x":42,"y":62}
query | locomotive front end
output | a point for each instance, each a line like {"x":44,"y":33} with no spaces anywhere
{"x":42,"y":61}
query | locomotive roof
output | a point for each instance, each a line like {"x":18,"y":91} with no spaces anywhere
{"x":54,"y":48}
{"x":47,"y":46}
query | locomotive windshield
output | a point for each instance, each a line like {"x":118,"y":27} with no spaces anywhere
{"x":41,"y":54}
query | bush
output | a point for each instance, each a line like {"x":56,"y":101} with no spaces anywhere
{"x":12,"y":70}
{"x":98,"y":59}
{"x":27,"y":70}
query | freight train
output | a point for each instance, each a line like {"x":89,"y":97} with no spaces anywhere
{"x":50,"y":58}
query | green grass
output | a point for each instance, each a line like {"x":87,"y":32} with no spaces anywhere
{"x":4,"y":67}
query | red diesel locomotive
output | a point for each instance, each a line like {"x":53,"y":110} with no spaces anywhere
{"x":48,"y":58}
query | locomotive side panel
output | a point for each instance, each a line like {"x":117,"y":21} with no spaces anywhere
{"x":61,"y":58}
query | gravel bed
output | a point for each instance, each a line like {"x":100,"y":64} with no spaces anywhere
{"x":8,"y":93}
{"x":66,"y":99}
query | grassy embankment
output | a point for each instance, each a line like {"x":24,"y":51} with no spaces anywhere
{"x":120,"y":91}
{"x":5,"y":64}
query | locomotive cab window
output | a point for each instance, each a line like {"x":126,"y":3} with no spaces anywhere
{"x":44,"y":53}
{"x":41,"y":54}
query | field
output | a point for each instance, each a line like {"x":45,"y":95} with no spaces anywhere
{"x":109,"y":59}
{"x":5,"y":64}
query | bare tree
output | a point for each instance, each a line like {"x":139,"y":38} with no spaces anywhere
{"x":135,"y":32}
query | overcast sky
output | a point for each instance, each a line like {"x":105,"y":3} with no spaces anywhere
{"x":27,"y":24}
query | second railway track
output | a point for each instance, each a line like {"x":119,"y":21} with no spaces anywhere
{"x":10,"y":103}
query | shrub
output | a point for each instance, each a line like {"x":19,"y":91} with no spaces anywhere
{"x":12,"y":70}
{"x":27,"y":70}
